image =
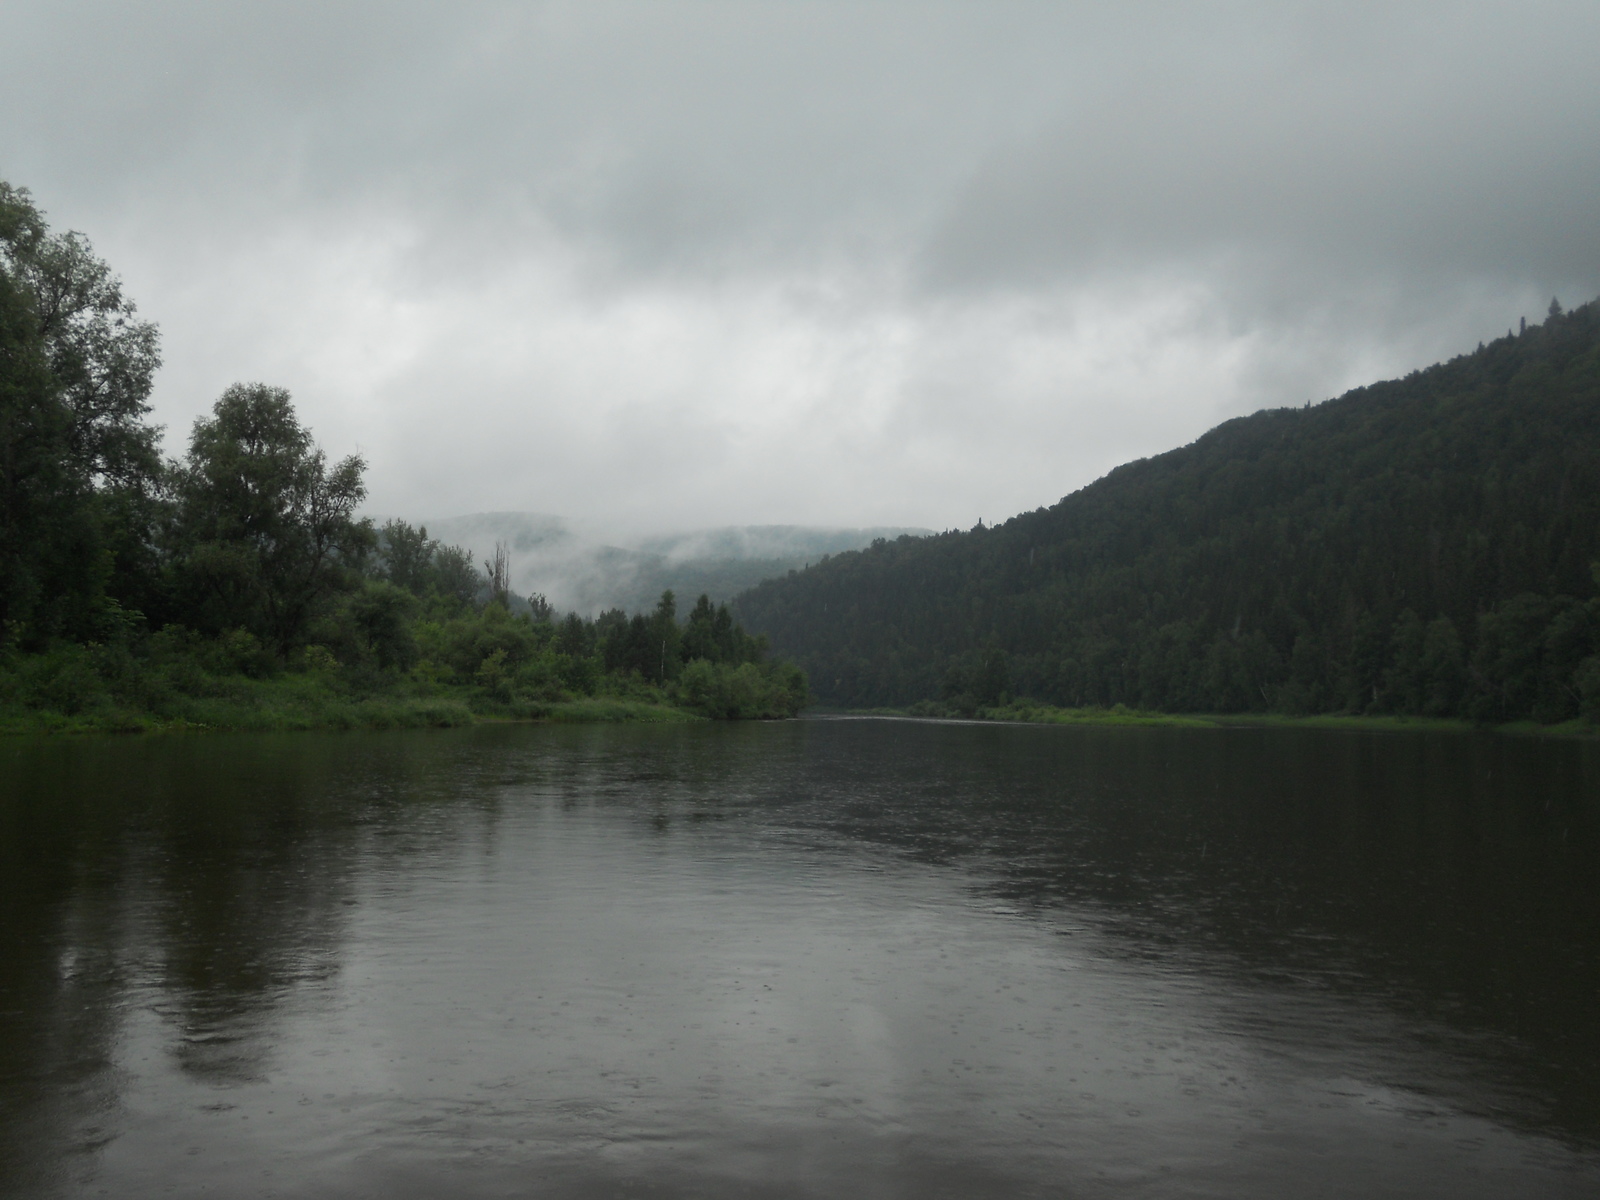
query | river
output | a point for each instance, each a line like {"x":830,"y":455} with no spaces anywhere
{"x":828,"y":957}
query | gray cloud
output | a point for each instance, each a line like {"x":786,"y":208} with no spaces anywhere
{"x":1445,"y":143}
{"x":673,"y":264}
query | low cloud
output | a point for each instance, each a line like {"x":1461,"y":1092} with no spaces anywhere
{"x":682,"y":265}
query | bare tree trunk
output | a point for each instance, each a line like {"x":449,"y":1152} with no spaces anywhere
{"x":499,"y":572}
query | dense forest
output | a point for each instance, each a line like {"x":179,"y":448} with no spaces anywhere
{"x":238,"y":586}
{"x":1421,"y":546}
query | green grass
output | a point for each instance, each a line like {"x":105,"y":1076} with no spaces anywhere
{"x":604,"y":709}
{"x":1386,"y":722}
{"x":1576,"y":728}
{"x":588,"y":710}
{"x":1036,"y":714}
{"x":310,"y":700}
{"x":258,"y":713}
{"x":1045,"y":714}
{"x":73,"y":694}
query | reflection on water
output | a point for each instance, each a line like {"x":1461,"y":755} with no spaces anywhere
{"x":821,"y":958}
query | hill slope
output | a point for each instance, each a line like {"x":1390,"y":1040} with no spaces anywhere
{"x":1420,"y":545}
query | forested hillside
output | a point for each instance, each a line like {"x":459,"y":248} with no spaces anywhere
{"x":1424,"y":545}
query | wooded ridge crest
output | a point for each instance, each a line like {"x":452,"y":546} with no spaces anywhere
{"x":1423,"y":545}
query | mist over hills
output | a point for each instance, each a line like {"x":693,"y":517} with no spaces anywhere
{"x":1423,"y":545}
{"x":586,"y":571}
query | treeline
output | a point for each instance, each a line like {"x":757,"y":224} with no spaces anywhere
{"x":240,"y":577}
{"x":423,"y":610}
{"x":1421,"y":546}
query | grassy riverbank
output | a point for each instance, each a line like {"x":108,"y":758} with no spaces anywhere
{"x":1044,"y":714}
{"x":1047,"y":714}
{"x":239,"y":588}
{"x":96,"y":689}
{"x":270,"y":715}
{"x":1576,"y":728}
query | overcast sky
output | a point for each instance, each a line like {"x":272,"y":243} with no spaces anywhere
{"x":662,"y":265}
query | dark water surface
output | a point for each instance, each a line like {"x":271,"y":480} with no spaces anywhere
{"x":822,"y":958}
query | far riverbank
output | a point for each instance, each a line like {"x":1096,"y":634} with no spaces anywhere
{"x":1045,"y":714}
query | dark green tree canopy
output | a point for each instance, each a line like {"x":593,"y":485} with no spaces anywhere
{"x":41,"y":496}
{"x":103,"y":357}
{"x":267,"y":530}
{"x":406,"y":555}
{"x":409,"y":558}
{"x":79,"y":471}
{"x":1420,"y":545}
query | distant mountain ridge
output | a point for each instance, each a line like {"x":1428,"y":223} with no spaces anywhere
{"x":1419,"y":545}
{"x":579,"y":571}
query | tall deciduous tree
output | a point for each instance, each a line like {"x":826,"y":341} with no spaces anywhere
{"x":78,"y":463}
{"x":266,"y":531}
{"x":406,"y":555}
{"x":102,"y":355}
{"x":39,"y":492}
{"x":409,"y":558}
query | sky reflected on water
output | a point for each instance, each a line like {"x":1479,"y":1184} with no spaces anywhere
{"x":821,"y":958}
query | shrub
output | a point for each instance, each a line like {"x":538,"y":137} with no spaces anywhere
{"x":749,"y":691}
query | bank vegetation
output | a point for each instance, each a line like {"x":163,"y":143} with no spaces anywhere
{"x":237,"y":587}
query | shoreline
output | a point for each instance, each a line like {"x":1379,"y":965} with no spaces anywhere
{"x":1119,"y":716}
{"x":265,"y":712}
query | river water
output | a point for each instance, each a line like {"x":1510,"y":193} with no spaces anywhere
{"x":868,"y":958}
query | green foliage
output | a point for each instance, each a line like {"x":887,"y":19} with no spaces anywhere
{"x":408,"y":558}
{"x":1527,"y":658}
{"x":610,"y":709}
{"x":976,"y":678}
{"x":1421,"y":546}
{"x":78,"y":465}
{"x":748,"y":691}
{"x":1045,"y":714}
{"x":375,"y":662}
{"x":649,"y":646}
{"x":276,"y":606}
{"x":405,"y":556}
{"x":102,"y":357}
{"x":712,"y":634}
{"x":265,"y":532}
{"x":39,"y":490}
{"x":382,"y":613}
